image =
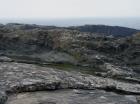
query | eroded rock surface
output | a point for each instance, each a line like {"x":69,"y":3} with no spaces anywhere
{"x":20,"y":77}
{"x":91,"y":46}
{"x":71,"y":97}
{"x":92,"y":57}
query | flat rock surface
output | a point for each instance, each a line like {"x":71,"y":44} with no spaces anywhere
{"x":20,"y":77}
{"x":71,"y":97}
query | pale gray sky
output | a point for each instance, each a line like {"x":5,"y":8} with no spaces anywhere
{"x":68,"y":8}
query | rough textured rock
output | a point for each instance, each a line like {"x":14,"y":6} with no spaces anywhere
{"x":3,"y":97}
{"x":16,"y":75}
{"x":30,"y":56}
{"x":19,"y":77}
{"x":32,"y":41}
{"x":116,"y":71}
{"x":74,"y":47}
{"x":71,"y":97}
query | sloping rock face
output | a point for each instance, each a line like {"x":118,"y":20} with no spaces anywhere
{"x":32,"y":58}
{"x":37,"y":45}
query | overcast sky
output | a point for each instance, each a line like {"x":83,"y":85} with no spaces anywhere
{"x":68,"y":8}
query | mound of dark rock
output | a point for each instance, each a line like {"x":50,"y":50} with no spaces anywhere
{"x":106,"y":30}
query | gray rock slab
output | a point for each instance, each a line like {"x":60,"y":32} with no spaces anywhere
{"x":71,"y":97}
{"x":20,"y":77}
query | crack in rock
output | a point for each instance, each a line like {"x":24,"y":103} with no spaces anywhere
{"x":19,"y":77}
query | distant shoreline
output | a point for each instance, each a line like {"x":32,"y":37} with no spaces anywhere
{"x":124,"y":22}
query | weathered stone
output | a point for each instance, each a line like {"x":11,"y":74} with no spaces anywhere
{"x":3,"y":97}
{"x":110,"y":57}
{"x":19,"y":77}
{"x":71,"y":97}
